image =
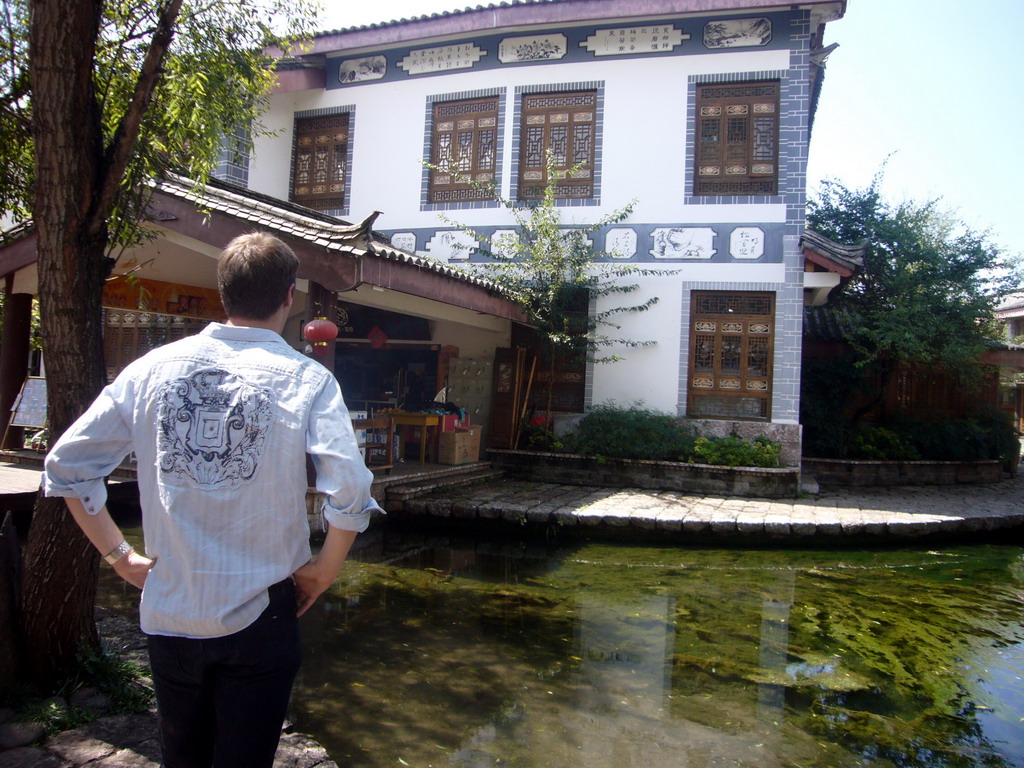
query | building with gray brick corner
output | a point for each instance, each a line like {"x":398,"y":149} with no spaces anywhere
{"x":699,"y":110}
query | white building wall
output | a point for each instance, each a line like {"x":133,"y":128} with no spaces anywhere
{"x":472,"y":342}
{"x":646,"y":147}
{"x":640,"y":114}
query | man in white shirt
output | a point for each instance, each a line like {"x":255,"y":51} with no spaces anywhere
{"x":221,"y":424}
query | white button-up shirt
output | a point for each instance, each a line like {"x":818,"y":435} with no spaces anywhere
{"x":220,"y":424}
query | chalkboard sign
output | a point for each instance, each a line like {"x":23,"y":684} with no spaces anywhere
{"x":29,"y":409}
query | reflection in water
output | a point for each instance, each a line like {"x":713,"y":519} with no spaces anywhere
{"x":774,"y":657}
{"x":453,"y":654}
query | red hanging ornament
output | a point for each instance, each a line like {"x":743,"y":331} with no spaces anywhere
{"x":320,"y":332}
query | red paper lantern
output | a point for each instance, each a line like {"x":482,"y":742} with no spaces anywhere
{"x":320,"y":331}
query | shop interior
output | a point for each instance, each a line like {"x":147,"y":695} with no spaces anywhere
{"x":399,"y":377}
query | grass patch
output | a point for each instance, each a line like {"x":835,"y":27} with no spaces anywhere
{"x":125,"y":683}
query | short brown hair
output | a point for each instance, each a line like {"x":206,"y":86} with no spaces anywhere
{"x":254,"y":274}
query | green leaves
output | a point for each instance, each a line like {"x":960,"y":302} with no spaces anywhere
{"x":214,"y":83}
{"x":929,"y":284}
{"x":15,"y":110}
{"x":555,"y":274}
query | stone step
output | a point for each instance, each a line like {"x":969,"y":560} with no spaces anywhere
{"x":399,"y":494}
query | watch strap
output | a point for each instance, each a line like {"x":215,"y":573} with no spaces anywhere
{"x":118,"y":552}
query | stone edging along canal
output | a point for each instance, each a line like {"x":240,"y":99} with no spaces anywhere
{"x":854,"y":515}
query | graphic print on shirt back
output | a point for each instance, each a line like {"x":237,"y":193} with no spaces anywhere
{"x":213,"y":428}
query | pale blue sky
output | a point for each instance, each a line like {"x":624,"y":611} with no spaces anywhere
{"x":934,"y":83}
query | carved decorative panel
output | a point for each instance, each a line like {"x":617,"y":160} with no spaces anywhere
{"x":534,"y":48}
{"x":442,"y":58}
{"x":629,"y":41}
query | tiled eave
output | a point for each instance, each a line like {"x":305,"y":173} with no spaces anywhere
{"x":17,"y":248}
{"x":1012,"y":307}
{"x":522,"y":14}
{"x":338,"y":255}
{"x":1008,"y":356}
{"x":833,"y":256}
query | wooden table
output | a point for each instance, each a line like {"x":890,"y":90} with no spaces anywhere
{"x":422,"y":420}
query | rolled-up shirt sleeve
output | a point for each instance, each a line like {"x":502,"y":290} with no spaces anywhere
{"x":341,"y":475}
{"x":88,"y":451}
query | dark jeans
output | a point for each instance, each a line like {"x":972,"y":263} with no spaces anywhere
{"x":222,"y":701}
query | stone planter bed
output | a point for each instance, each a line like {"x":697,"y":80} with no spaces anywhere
{"x":572,"y":469}
{"x":840,"y":472}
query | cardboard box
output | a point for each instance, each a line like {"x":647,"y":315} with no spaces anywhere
{"x":460,"y":447}
{"x":451,"y":421}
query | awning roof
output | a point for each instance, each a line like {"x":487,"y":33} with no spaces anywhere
{"x":833,"y":256}
{"x":495,"y":17}
{"x":338,"y":255}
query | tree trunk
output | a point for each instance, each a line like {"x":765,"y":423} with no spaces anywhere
{"x":59,"y":573}
{"x":10,"y":646}
{"x":59,"y":566}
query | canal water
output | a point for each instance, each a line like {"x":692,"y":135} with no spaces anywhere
{"x":438,"y":652}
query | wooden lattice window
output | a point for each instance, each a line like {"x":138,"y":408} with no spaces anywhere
{"x":737,"y":147}
{"x":129,"y":334}
{"x":321,"y":161}
{"x":566,"y":125}
{"x":464,"y":149}
{"x":731,"y":355}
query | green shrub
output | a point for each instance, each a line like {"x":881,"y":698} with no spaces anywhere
{"x":539,"y":437}
{"x":733,"y":451}
{"x":828,"y":388}
{"x":1001,"y":439}
{"x":613,"y":431}
{"x":986,"y":434}
{"x":117,"y":677}
{"x":631,"y":433}
{"x":880,"y":444}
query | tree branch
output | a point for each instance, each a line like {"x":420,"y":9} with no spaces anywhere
{"x":127,"y":133}
{"x":20,"y":87}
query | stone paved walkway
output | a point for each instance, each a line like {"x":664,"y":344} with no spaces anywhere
{"x":130,"y":741}
{"x":125,"y":741}
{"x":839,"y":515}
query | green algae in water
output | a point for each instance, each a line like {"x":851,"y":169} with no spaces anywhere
{"x":450,"y":653}
{"x":620,"y":656}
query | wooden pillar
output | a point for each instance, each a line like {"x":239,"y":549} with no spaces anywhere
{"x":14,"y":352}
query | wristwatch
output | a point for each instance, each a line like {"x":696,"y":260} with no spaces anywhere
{"x":118,"y":552}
